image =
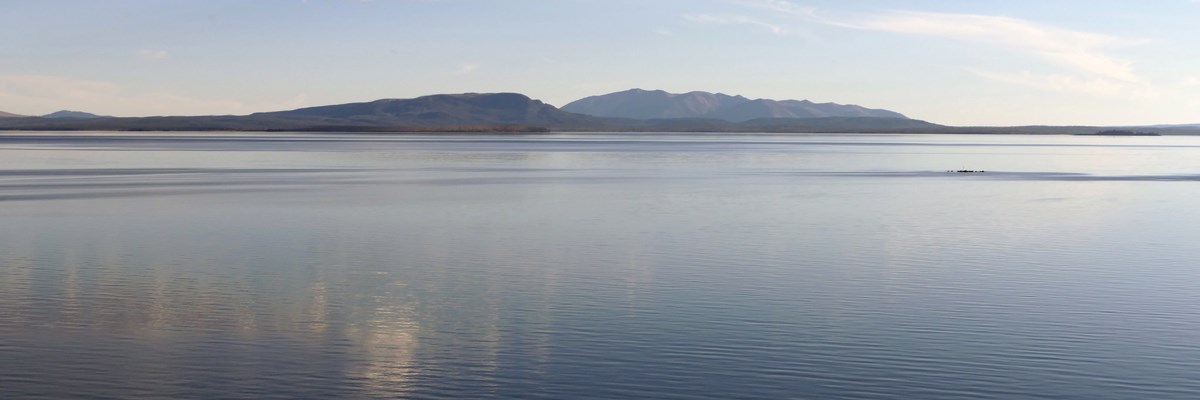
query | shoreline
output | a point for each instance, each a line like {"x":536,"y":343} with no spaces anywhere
{"x":11,"y":133}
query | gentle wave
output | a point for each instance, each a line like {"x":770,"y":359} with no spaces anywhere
{"x":491,"y":272}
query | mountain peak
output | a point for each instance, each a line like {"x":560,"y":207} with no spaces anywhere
{"x":658,"y":104}
{"x":9,"y":115}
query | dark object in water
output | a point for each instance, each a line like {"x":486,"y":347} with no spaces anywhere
{"x":967,"y":171}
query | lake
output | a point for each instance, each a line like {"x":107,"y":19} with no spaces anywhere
{"x":603,"y":266}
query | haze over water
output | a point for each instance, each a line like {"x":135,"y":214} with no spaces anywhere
{"x":598,"y":266}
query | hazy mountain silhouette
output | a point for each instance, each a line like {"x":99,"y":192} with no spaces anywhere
{"x":68,"y":114}
{"x":436,"y":113}
{"x":9,"y":115}
{"x":658,"y":104}
{"x":441,"y":110}
{"x":512,"y":112}
{"x":655,"y":104}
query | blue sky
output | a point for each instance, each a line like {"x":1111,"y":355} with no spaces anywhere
{"x":1096,"y":62}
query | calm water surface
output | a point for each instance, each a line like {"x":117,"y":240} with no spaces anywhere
{"x":599,"y":266}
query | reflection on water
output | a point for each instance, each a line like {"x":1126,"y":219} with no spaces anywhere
{"x":599,"y":266}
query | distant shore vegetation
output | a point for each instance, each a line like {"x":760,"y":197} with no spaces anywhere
{"x":1124,"y":132}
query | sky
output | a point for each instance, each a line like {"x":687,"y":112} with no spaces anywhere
{"x":1010,"y":62}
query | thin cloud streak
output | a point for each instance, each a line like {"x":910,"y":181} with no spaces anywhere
{"x":734,"y":19}
{"x":1083,"y":57}
{"x":780,"y":6}
{"x":1081,"y":51}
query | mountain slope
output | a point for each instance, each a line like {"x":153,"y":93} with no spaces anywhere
{"x":471,"y":112}
{"x":652,"y":104}
{"x":441,"y":110}
{"x":9,"y":115}
{"x":658,"y":104}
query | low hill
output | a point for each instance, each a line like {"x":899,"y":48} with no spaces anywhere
{"x":68,"y":114}
{"x":9,"y":115}
{"x":658,"y":104}
{"x":440,"y":110}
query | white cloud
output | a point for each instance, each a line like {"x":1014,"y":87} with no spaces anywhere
{"x":153,"y":54}
{"x":1078,"y":61}
{"x":1084,"y":52}
{"x":734,"y":19}
{"x":1191,"y":80}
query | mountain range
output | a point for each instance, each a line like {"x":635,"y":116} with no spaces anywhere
{"x":658,"y":104}
{"x":468,"y":112}
{"x":629,"y":111}
{"x":9,"y":115}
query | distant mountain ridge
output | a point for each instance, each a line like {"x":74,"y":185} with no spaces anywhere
{"x":9,"y":115}
{"x":467,"y":112}
{"x":68,"y":114}
{"x":517,"y":113}
{"x":441,"y":110}
{"x":658,"y":104}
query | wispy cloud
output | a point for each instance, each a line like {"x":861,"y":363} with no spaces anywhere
{"x":735,"y":19}
{"x":780,"y":6}
{"x":1086,"y":61}
{"x":1084,"y":52}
